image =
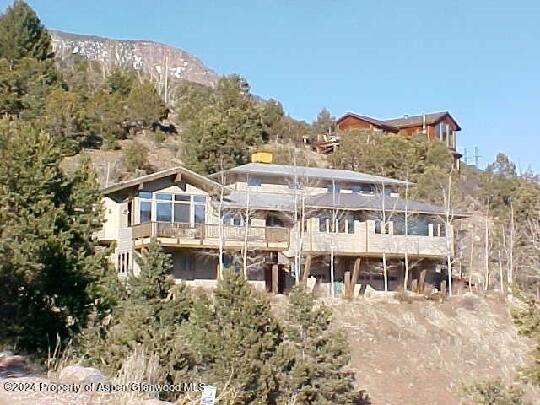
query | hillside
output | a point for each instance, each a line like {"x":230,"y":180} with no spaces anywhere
{"x":406,"y":353}
{"x":149,"y":57}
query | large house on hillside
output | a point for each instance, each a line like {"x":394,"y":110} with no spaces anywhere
{"x":334,"y":226}
{"x":438,"y":125}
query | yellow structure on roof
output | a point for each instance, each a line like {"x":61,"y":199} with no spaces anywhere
{"x":261,"y":157}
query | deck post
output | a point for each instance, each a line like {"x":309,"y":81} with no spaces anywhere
{"x":275,"y":279}
{"x":347,"y":282}
{"x":307,"y":268}
{"x":354,"y":279}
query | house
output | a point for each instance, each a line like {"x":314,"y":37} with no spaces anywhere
{"x":281,"y":224}
{"x":438,"y":125}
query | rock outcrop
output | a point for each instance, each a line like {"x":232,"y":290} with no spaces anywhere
{"x":150,"y":57}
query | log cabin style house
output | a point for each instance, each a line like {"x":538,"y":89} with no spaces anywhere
{"x":281,"y":224}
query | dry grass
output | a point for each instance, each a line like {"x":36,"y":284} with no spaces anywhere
{"x":423,"y":352}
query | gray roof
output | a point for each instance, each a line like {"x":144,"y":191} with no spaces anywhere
{"x":258,"y":200}
{"x":310,"y":172}
{"x":357,"y":201}
{"x":344,"y":201}
{"x":186,"y":174}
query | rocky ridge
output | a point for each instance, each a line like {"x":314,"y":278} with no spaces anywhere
{"x":150,"y":57}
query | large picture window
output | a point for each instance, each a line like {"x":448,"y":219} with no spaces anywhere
{"x":169,"y":207}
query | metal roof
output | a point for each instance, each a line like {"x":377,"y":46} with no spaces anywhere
{"x":343,"y":201}
{"x":310,"y":173}
{"x":360,"y":201}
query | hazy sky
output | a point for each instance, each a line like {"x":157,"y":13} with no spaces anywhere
{"x":478,"y":59}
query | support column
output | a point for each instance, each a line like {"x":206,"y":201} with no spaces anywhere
{"x":354,"y":279}
{"x":275,"y":279}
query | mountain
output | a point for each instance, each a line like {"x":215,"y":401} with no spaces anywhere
{"x":150,"y":57}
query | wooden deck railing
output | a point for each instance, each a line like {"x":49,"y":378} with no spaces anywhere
{"x":210,"y":231}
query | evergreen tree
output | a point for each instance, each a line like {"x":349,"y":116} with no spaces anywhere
{"x":145,"y":107}
{"x":325,"y":123}
{"x":150,"y":316}
{"x":153,"y":281}
{"x":237,"y":342}
{"x":64,"y":119}
{"x":23,"y":35}
{"x":48,"y":257}
{"x":121,"y":81}
{"x":318,"y":374}
{"x":222,"y":132}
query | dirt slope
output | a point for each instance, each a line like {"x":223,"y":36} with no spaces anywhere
{"x":423,"y":352}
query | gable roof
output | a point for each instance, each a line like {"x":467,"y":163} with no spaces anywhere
{"x":395,"y":124}
{"x":372,"y":121}
{"x":310,"y":172}
{"x":179,"y":172}
{"x":418,"y":120}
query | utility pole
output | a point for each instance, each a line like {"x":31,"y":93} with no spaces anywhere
{"x":476,"y":156}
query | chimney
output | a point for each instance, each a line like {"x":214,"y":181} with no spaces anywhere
{"x":261,"y":157}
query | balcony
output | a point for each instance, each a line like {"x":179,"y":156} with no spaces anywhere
{"x":208,"y":235}
{"x":364,"y":241}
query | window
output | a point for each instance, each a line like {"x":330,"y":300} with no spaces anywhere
{"x":164,"y":196}
{"x":378,"y":226}
{"x":163,"y":212}
{"x":350,"y":218}
{"x":200,"y":211}
{"x":122,"y":263}
{"x":298,"y":185}
{"x":363,"y":188}
{"x":145,"y":194}
{"x":342,"y":225}
{"x":254,"y":181}
{"x":182,"y":213}
{"x":333,"y":188}
{"x":145,"y":211}
{"x":129,"y":213}
{"x":419,"y":226}
{"x":324,"y":221}
{"x":274,"y":220}
{"x":233,"y":218}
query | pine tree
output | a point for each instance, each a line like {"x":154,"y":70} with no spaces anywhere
{"x":150,"y":316}
{"x":48,"y":256}
{"x":154,"y":279}
{"x":318,"y":374}
{"x":221,"y":132}
{"x":145,"y":107}
{"x":237,"y":341}
{"x":23,"y":35}
{"x":325,"y":123}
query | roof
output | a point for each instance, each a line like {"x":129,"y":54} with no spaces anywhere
{"x":344,"y":201}
{"x":258,"y":200}
{"x":418,"y":120}
{"x":310,"y":172}
{"x":186,"y":175}
{"x":395,"y":124}
{"x":373,"y":121}
{"x":354,"y":201}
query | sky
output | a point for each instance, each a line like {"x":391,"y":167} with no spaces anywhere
{"x":479,"y":60}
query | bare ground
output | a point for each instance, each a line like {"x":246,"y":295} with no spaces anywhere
{"x":423,"y":352}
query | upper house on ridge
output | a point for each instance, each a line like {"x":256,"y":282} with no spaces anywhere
{"x":437,"y":125}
